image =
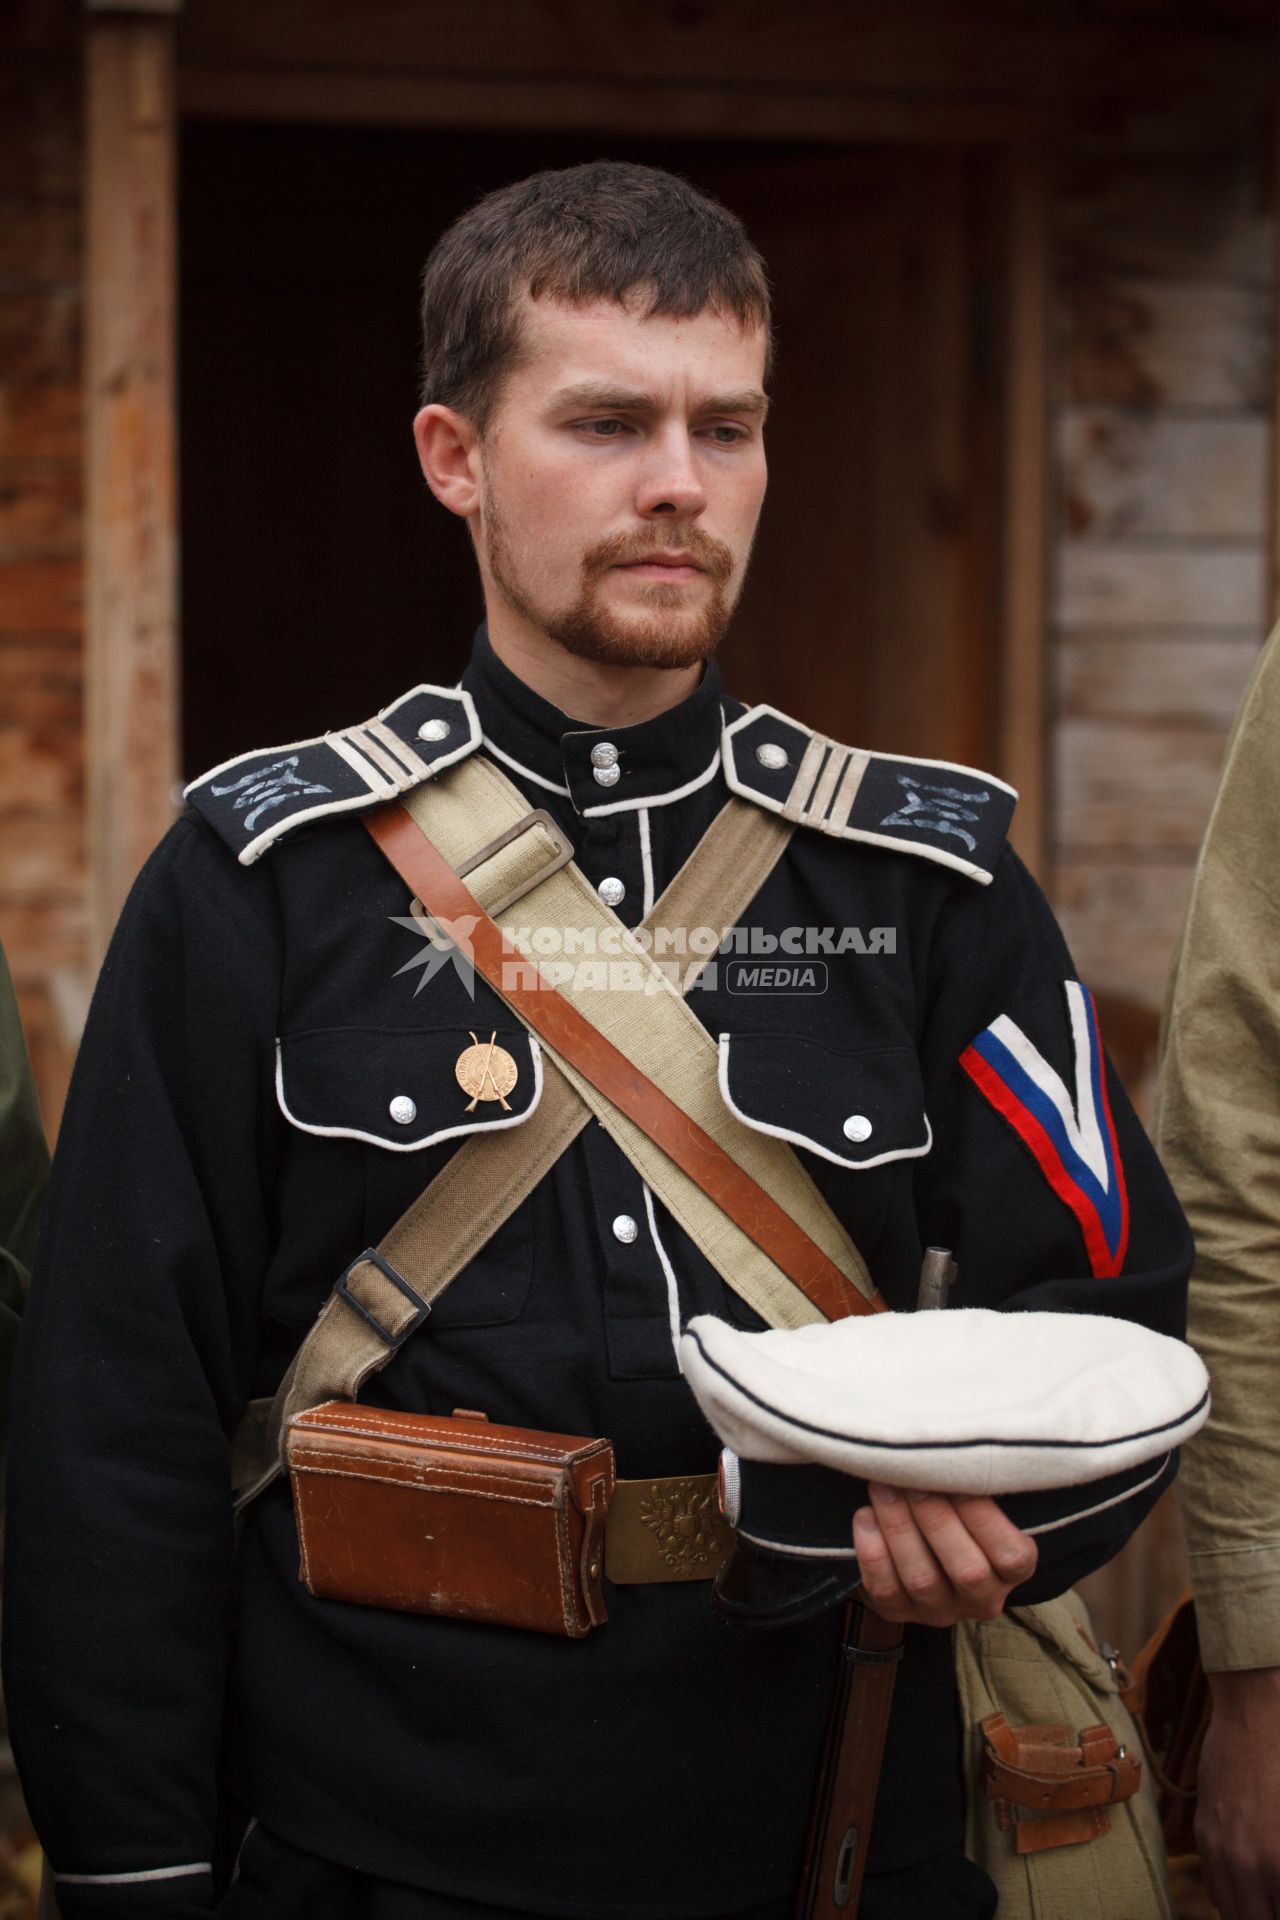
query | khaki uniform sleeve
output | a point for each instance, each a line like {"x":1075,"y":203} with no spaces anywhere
{"x":1219,"y":1134}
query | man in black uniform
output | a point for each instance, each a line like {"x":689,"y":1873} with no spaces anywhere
{"x":261,"y":1093}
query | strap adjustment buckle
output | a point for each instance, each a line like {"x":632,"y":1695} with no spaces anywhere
{"x":391,"y":1340}
{"x":560,"y":855}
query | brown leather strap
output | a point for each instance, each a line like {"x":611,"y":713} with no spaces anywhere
{"x":572,"y":1036}
{"x":1067,"y":1780}
{"x":841,"y":1831}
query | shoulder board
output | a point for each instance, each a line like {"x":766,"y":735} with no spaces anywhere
{"x":255,"y":799}
{"x":954,"y":815}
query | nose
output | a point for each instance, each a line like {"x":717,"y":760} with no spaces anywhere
{"x":671,"y":486}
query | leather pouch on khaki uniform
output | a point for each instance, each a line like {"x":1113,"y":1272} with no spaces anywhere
{"x":450,"y":1515}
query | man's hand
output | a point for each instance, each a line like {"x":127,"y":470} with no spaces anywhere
{"x":1239,"y":1792}
{"x":933,"y":1560}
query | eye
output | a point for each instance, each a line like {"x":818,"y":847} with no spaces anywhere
{"x":726,"y":435}
{"x":602,"y":429}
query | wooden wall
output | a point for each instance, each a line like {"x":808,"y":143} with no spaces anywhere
{"x":42,"y":866}
{"x":1164,"y":400}
{"x":1165,"y":391}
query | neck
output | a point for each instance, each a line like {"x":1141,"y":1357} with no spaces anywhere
{"x":590,"y":690}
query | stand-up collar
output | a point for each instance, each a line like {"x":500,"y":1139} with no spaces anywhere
{"x":600,"y":769}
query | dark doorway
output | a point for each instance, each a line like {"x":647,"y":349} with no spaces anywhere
{"x":320,"y":579}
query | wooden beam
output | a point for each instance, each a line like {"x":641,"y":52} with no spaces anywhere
{"x":1026,"y":494}
{"x":131,"y":645}
{"x":1022,"y":51}
{"x":609,"y":106}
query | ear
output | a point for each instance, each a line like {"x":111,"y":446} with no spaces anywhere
{"x":448,"y":453}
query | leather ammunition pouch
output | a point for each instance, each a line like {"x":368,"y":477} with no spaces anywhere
{"x":453,"y":1516}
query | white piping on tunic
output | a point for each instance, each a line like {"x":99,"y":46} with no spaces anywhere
{"x":527,"y":772}
{"x":132,"y":1879}
{"x":806,"y":1139}
{"x":673,"y":1290}
{"x":902,"y":759}
{"x":646,"y":860}
{"x":409,"y":1146}
{"x":656,"y":799}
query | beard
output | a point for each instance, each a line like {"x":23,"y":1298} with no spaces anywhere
{"x":661,"y":630}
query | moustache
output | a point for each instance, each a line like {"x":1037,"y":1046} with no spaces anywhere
{"x":625,"y":549}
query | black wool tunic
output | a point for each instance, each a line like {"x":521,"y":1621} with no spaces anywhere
{"x":230,"y":1145}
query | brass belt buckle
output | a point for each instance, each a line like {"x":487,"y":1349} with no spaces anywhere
{"x":662,"y":1530}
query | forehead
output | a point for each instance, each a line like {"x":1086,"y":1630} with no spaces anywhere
{"x":603,"y":340}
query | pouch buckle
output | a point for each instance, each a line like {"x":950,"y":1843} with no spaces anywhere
{"x":388,"y":1339}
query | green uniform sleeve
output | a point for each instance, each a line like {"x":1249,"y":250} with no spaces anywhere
{"x":1219,"y":1134}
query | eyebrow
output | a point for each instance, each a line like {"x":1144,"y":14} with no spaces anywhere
{"x":609,"y":399}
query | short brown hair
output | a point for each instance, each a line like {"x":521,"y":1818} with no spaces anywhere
{"x":602,"y":231}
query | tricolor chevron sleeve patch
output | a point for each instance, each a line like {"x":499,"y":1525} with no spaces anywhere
{"x":1073,"y":1140}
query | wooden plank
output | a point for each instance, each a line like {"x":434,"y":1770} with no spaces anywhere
{"x":41,"y":596}
{"x":934,"y":52}
{"x":1185,"y":218}
{"x":41,"y":935}
{"x":1122,"y":916}
{"x":1124,"y":584}
{"x":40,"y":129}
{"x":42,"y":857}
{"x":609,"y":106}
{"x":39,"y":769}
{"x":1151,"y":343}
{"x":1135,"y":787}
{"x":41,"y":422}
{"x":40,"y":241}
{"x":39,"y":510}
{"x":1170,"y":678}
{"x":1176,"y":119}
{"x":1026,"y":511}
{"x":929,"y":460}
{"x":1126,"y":474}
{"x":40,"y":335}
{"x":40,"y":32}
{"x":131,"y":640}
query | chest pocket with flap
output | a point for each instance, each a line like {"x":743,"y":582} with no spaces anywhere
{"x":406,"y":1091}
{"x":399,"y":1092}
{"x":858,"y":1109}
